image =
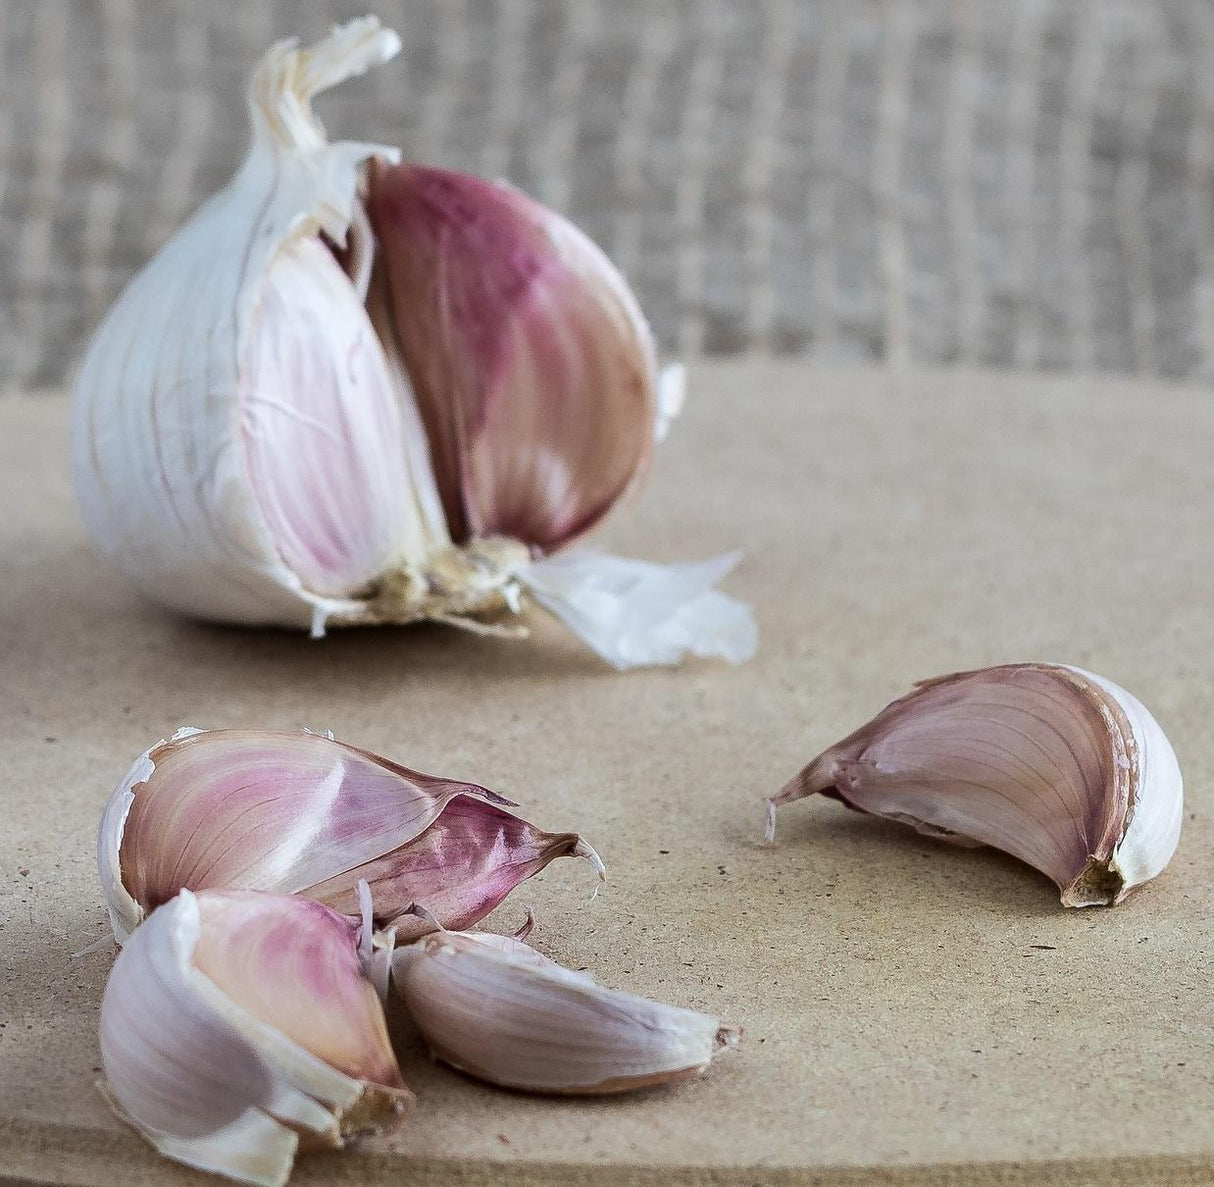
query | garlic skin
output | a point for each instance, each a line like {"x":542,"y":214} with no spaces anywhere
{"x":190,"y":374}
{"x":301,"y":813}
{"x":495,"y":1008}
{"x":1055,"y":765}
{"x":634,"y":613}
{"x":299,"y":416}
{"x":238,"y":1028}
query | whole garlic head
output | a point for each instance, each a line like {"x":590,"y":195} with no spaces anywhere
{"x":299,"y":415}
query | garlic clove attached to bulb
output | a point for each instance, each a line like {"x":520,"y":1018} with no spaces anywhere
{"x":533,"y":367}
{"x":296,"y":415}
{"x":1054,"y":765}
{"x":495,"y":1008}
{"x":300,"y":813}
{"x":237,"y":430}
{"x":237,"y":1028}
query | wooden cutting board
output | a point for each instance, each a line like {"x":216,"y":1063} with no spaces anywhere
{"x":913,"y":1013}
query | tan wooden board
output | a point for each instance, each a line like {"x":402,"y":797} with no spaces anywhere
{"x":913,"y":1013}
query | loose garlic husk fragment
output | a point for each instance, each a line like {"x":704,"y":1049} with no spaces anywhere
{"x":301,"y":813}
{"x":1054,"y":765}
{"x":495,"y":1008}
{"x":238,"y":1028}
{"x":299,"y":415}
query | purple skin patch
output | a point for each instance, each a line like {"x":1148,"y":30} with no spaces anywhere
{"x":459,"y":869}
{"x":461,"y":217}
{"x":532,"y":376}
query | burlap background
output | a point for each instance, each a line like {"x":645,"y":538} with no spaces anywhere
{"x":974,"y":181}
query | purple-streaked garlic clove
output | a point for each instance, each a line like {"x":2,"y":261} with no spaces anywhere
{"x":301,"y":813}
{"x":461,"y":868}
{"x":1061,"y":768}
{"x":532,"y":364}
{"x":238,"y":1028}
{"x":495,"y":1008}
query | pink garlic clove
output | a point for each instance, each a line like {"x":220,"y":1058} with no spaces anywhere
{"x":238,"y":1028}
{"x":532,"y":364}
{"x":495,"y":1008}
{"x":300,"y":813}
{"x":1056,"y":766}
{"x":461,"y":868}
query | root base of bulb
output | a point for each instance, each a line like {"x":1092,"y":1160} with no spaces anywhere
{"x":460,"y":586}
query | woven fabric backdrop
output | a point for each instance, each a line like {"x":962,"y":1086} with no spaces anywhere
{"x":978,"y":182}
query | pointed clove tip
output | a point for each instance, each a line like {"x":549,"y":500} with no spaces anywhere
{"x":366,"y":911}
{"x":424,"y":914}
{"x":728,"y":1037}
{"x":584,"y":851}
{"x":769,"y":821}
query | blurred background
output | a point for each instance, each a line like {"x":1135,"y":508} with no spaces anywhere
{"x":984,"y":183}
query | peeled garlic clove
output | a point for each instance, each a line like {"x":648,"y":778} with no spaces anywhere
{"x":1054,"y":765}
{"x":300,"y":813}
{"x":533,"y":366}
{"x":237,"y":1028}
{"x":247,"y":442}
{"x":494,"y":1007}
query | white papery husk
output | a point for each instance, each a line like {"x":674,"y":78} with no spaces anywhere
{"x":159,"y":457}
{"x":1053,"y":764}
{"x":179,"y":407}
{"x":494,"y":1007}
{"x":206,"y":1082}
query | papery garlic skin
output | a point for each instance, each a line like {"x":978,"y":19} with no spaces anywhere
{"x":239,"y":1028}
{"x":247,"y":443}
{"x":1156,"y":808}
{"x":1055,"y":765}
{"x":194,"y":366}
{"x":634,"y":613}
{"x":494,"y":1007}
{"x":301,"y":813}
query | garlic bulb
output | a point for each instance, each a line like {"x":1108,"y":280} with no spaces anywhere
{"x":350,"y":391}
{"x":1054,"y":765}
{"x":237,"y":1028}
{"x":300,"y":813}
{"x":494,"y":1007}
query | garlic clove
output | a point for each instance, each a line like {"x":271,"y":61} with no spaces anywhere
{"x":461,"y":868}
{"x":322,"y":429}
{"x":237,"y":1028}
{"x":533,"y":367}
{"x":303,"y":813}
{"x":1054,"y":765}
{"x":495,"y":1008}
